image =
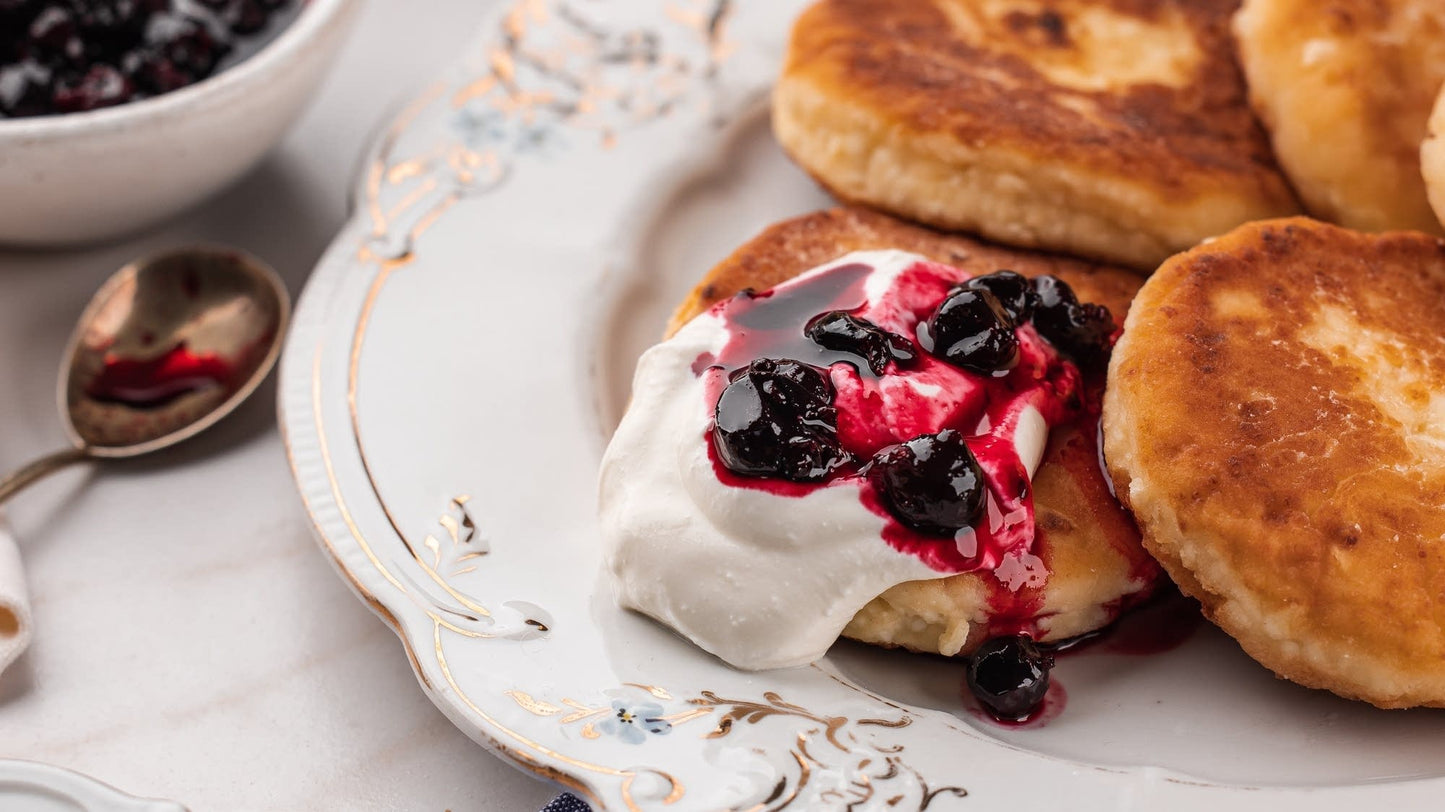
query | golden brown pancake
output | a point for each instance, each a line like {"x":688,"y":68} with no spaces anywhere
{"x":1116,"y":129}
{"x":1086,"y":539}
{"x":1275,"y":419}
{"x":1345,"y":87}
{"x":1432,"y":158}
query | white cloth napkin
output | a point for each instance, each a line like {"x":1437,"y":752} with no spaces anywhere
{"x":15,"y":622}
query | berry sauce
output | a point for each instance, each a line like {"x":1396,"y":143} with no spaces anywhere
{"x":888,"y":391}
{"x":69,"y":56}
{"x":155,"y":382}
{"x":1163,"y":622}
{"x":1046,"y":711}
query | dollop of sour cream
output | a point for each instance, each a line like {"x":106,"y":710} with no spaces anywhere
{"x":765,"y":573}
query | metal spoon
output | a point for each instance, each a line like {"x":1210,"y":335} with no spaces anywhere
{"x":168,"y":346}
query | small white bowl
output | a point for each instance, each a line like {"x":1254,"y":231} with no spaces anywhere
{"x":85,"y":177}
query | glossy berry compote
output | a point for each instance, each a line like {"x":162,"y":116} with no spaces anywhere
{"x":1013,"y":291}
{"x":972,"y":330}
{"x":1010,"y":676}
{"x":776,"y":418}
{"x":932,"y":483}
{"x":838,"y":330}
{"x":69,"y":56}
{"x":1080,"y":330}
{"x":792,"y":454}
{"x":926,"y":388}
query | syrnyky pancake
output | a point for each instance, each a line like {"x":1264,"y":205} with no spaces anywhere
{"x":1114,"y":129}
{"x":1088,"y":542}
{"x":1275,"y":420}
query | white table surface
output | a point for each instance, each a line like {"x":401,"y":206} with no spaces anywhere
{"x":192,"y":641}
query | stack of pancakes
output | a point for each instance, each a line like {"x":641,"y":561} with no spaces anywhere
{"x":1274,"y":418}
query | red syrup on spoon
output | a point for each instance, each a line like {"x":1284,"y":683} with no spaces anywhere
{"x":154,"y":382}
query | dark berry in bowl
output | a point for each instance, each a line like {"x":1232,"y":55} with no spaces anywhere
{"x":1009,"y":676}
{"x":1081,"y":331}
{"x":53,"y":34}
{"x":840,"y":331}
{"x":932,"y":484}
{"x":972,"y":330}
{"x":776,"y":419}
{"x":191,"y":48}
{"x":101,"y":86}
{"x":1013,"y":291}
{"x":67,"y":56}
{"x":25,"y":89}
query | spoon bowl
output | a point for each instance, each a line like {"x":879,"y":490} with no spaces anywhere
{"x":168,"y":346}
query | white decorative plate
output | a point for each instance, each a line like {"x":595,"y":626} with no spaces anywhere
{"x":34,"y":787}
{"x":463,"y":351}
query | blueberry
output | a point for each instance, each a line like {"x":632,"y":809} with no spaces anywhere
{"x":1010,"y":676}
{"x":250,"y":17}
{"x":776,"y":419}
{"x":972,"y":330}
{"x":52,"y":32}
{"x":60,"y":56}
{"x":839,"y":331}
{"x":931,"y":483}
{"x":25,"y":89}
{"x":1081,"y":331}
{"x":101,"y":86}
{"x":155,"y":73}
{"x":191,"y":49}
{"x":1012,"y":290}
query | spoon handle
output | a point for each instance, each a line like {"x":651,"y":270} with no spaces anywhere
{"x":12,"y":484}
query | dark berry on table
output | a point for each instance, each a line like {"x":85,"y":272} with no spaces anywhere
{"x":842,"y":332}
{"x":1009,"y":676}
{"x":1012,"y":290}
{"x":931,"y":483}
{"x":1081,"y":331}
{"x":101,"y":86}
{"x":776,"y":419}
{"x":970,"y":329}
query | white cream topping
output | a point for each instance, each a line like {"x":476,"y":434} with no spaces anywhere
{"x":758,"y":579}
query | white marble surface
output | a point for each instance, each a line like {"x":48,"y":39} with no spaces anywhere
{"x":192,"y":641}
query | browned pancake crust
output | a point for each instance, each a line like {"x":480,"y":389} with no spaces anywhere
{"x":1020,"y":84}
{"x":788,"y":248}
{"x":1274,"y":420}
{"x":1088,"y":541}
{"x":1345,"y":88}
{"x":904,"y":57}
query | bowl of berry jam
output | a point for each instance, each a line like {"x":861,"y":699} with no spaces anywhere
{"x":116,"y":114}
